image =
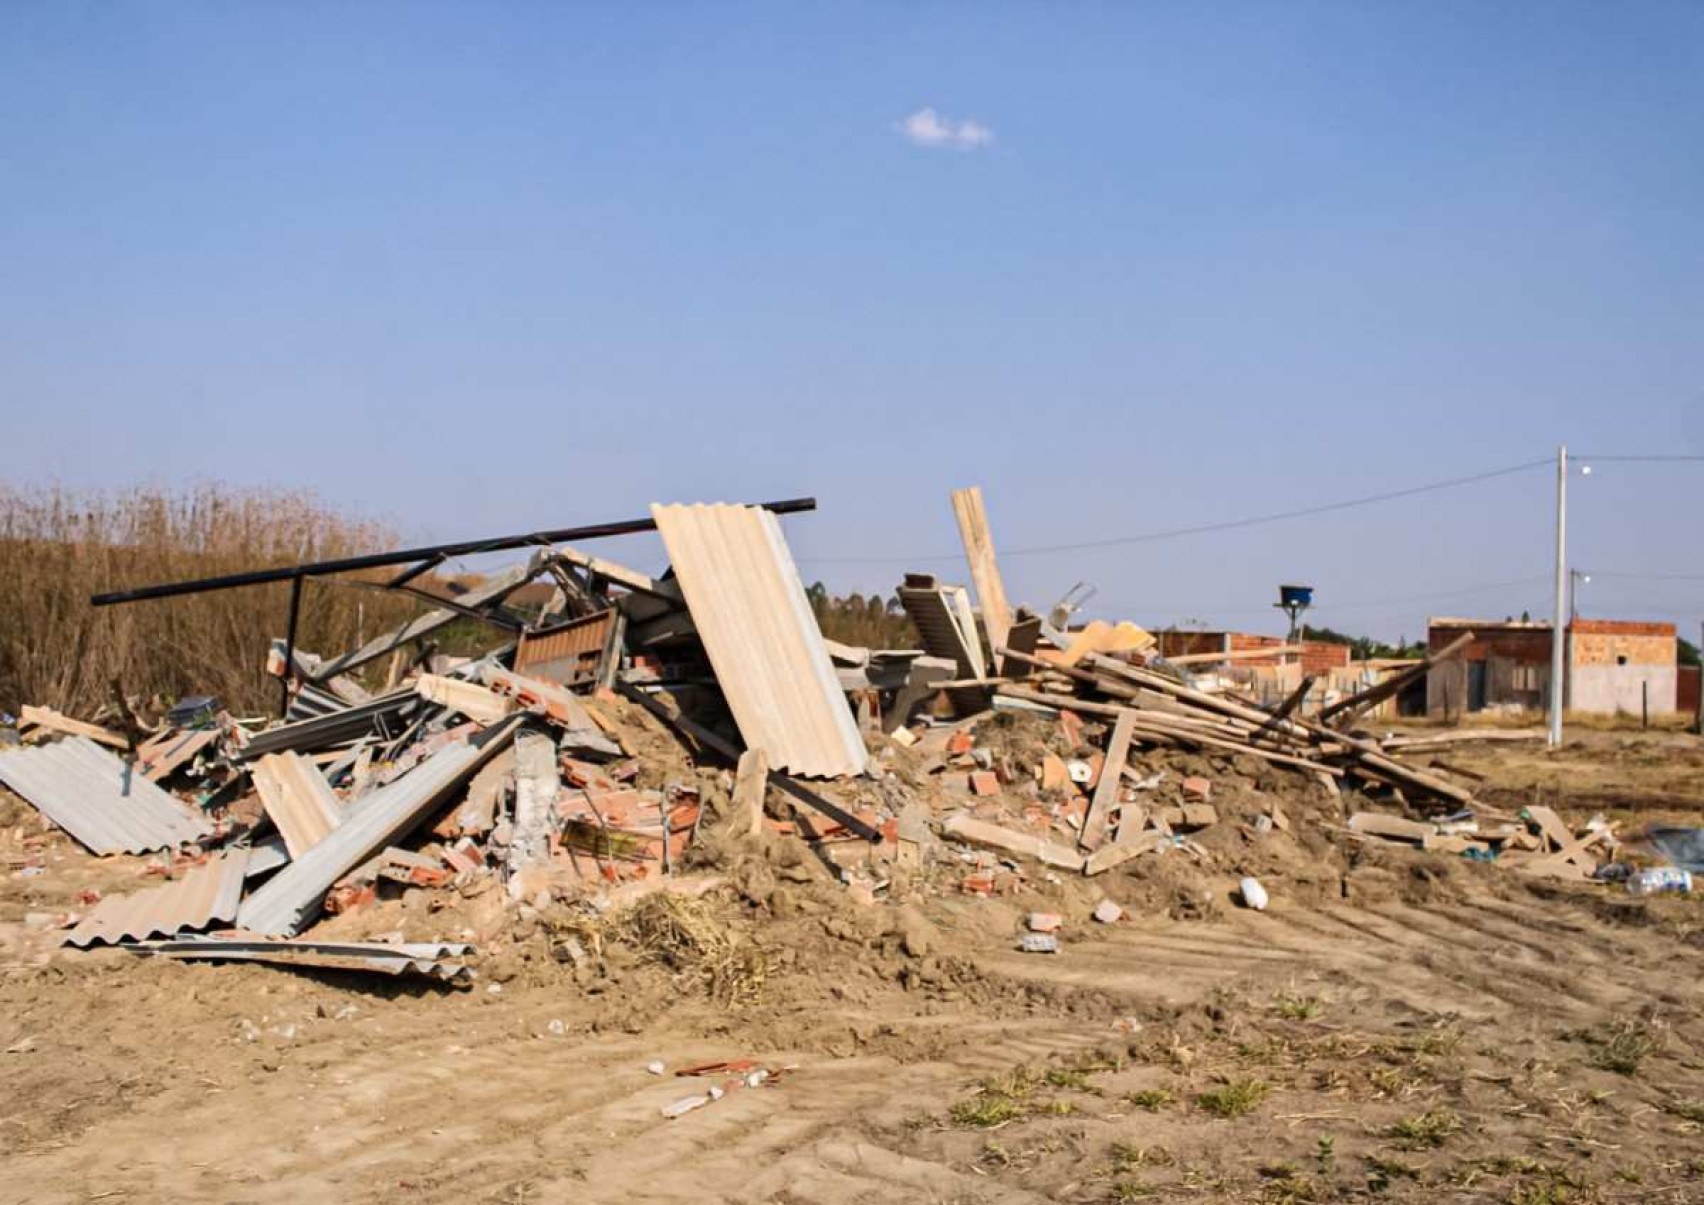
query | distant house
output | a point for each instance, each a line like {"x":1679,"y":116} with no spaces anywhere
{"x":1611,"y":665}
{"x":1271,"y":677}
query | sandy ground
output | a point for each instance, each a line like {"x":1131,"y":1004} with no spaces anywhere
{"x":1407,"y":1028}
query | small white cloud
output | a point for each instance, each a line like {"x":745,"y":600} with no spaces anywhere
{"x":928,"y":128}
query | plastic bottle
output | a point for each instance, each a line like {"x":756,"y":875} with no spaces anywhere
{"x":1253,"y":894}
{"x":1659,"y":879}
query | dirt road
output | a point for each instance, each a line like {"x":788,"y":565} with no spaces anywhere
{"x":1439,"y":1031}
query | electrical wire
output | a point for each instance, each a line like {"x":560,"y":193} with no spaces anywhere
{"x":1658,"y":459}
{"x":1207,"y":528}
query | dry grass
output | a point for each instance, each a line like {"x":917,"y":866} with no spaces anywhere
{"x":58,"y":547}
{"x":688,"y":937}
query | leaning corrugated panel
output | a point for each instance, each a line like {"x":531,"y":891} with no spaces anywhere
{"x":750,"y":609}
{"x":292,"y":896}
{"x":208,"y":893}
{"x":102,"y":801}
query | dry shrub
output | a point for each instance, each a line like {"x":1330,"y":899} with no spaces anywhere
{"x":57,"y":547}
{"x":686,"y":936}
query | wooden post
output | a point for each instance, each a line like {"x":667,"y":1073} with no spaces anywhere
{"x":984,"y":570}
{"x":749,"y":782}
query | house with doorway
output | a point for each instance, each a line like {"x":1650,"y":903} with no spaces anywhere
{"x":1611,"y":665}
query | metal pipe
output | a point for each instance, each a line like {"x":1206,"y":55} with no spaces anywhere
{"x":290,"y":646}
{"x":1559,"y":633}
{"x":379,"y":560}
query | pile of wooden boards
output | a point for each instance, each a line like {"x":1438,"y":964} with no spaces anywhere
{"x":1151,"y":704}
{"x":1535,"y":842}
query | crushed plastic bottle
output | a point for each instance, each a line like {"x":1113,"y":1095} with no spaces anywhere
{"x":1659,"y":879}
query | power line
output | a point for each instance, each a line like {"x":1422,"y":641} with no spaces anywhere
{"x":1207,"y":528}
{"x":1328,"y":607}
{"x":1681,"y":459}
{"x":1645,"y":577}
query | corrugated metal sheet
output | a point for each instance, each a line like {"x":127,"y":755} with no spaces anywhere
{"x":419,"y":958}
{"x":749,"y":606}
{"x":566,"y":654}
{"x":292,"y":896}
{"x":297,"y":798}
{"x":205,"y":895}
{"x":166,"y":752}
{"x":947,"y":626}
{"x":265,"y":856}
{"x":102,"y":802}
{"x":387,"y":715}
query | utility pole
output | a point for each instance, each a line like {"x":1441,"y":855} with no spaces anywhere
{"x":1558,"y":638}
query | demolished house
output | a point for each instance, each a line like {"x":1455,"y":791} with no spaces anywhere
{"x":527,"y":765}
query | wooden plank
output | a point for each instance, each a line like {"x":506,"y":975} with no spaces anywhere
{"x":1234,"y":655}
{"x":1109,"y":856}
{"x":53,"y":721}
{"x":750,"y":782}
{"x":1376,"y":824}
{"x":984,"y":569}
{"x":980,"y":832}
{"x":1106,"y":789}
{"x":1021,"y":638}
{"x":1550,"y":825}
{"x":470,"y":699}
{"x":1132,"y":819}
{"x":1351,"y":707}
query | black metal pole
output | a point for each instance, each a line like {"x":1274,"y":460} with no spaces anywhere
{"x":290,"y":646}
{"x":378,"y":560}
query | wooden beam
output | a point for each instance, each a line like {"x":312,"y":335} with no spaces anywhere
{"x":984,"y":569}
{"x":980,"y":832}
{"x":750,"y":782}
{"x":1106,"y":790}
{"x":53,"y":721}
{"x":1235,"y":655}
{"x":1355,"y":704}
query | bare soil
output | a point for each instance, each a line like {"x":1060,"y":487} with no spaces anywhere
{"x":1397,"y":1027}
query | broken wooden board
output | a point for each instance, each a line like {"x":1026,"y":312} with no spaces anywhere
{"x":1107,"y":782}
{"x":49,"y":720}
{"x":1109,"y":856}
{"x":751,"y":781}
{"x":984,"y":570}
{"x":1105,"y":638}
{"x":1550,"y":825}
{"x":1376,"y":824}
{"x":470,"y":699}
{"x":980,"y":832}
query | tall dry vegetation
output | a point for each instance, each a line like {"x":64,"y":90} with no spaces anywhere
{"x":57,"y":547}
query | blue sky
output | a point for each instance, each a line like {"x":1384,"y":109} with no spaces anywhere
{"x":479,"y":268}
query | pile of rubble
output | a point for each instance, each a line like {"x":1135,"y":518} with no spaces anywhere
{"x":581,"y":757}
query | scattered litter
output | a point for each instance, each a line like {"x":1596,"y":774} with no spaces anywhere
{"x":1253,"y":894}
{"x":1107,"y":912}
{"x":1039,"y":943}
{"x":1660,"y":879}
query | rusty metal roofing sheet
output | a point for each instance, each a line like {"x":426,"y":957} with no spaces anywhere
{"x":297,"y":798}
{"x":749,"y":607}
{"x":292,"y":896}
{"x":100,"y":800}
{"x":419,"y":958}
{"x":205,"y":895}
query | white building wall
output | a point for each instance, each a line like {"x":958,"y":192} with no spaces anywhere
{"x":1608,"y":689}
